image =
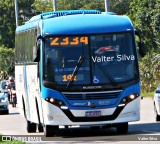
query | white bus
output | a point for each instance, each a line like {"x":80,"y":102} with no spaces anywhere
{"x":77,"y":67}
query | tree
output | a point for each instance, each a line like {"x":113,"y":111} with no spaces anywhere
{"x":156,"y":23}
{"x":7,"y":19}
{"x":6,"y":62}
{"x":47,"y":5}
{"x":145,"y":15}
{"x":150,"y":71}
{"x":119,"y":7}
{"x":26,"y":11}
{"x":7,"y":23}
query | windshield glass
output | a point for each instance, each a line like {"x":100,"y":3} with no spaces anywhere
{"x":113,"y":58}
{"x":90,"y":60}
{"x":62,"y":55}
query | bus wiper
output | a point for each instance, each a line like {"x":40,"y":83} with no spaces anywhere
{"x":107,"y":74}
{"x":74,"y":73}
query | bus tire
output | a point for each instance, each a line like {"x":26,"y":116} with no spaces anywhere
{"x":40,"y":128}
{"x":157,"y":117}
{"x":31,"y":127}
{"x":122,"y":128}
{"x":24,"y":109}
{"x":49,"y":130}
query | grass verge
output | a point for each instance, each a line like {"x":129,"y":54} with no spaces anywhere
{"x":149,"y":94}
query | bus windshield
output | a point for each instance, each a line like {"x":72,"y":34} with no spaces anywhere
{"x":90,"y":60}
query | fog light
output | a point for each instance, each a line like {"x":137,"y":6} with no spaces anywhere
{"x":124,"y":100}
{"x":121,"y":105}
{"x":64,"y":107}
{"x":60,"y":103}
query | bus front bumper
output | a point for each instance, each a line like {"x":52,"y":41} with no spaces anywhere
{"x":53,"y":115}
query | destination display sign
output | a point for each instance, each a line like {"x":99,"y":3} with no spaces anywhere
{"x":63,"y":41}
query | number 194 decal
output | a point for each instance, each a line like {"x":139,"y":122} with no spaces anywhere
{"x":69,"y":77}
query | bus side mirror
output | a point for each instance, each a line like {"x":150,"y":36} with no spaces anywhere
{"x":142,"y":49}
{"x":36,"y":53}
{"x":36,"y":49}
{"x":39,"y":37}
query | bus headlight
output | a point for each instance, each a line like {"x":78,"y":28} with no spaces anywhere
{"x":56,"y":102}
{"x":128,"y":99}
{"x":132,"y":96}
{"x":52,"y":100}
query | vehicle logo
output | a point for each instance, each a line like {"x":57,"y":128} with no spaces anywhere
{"x":88,"y":103}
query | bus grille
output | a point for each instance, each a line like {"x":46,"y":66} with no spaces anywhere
{"x":92,"y":96}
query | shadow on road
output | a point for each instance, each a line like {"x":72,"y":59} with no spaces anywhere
{"x":14,"y":113}
{"x":139,"y":129}
{"x":145,"y":128}
{"x":102,"y":134}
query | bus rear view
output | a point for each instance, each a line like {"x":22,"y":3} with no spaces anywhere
{"x":87,"y":72}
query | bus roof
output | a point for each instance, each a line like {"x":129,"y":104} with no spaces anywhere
{"x":78,"y":22}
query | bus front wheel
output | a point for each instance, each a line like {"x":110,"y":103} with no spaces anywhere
{"x":50,"y":130}
{"x":40,"y":128}
{"x":122,"y":128}
{"x":31,"y":127}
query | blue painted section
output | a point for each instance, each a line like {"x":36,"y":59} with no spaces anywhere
{"x":33,"y":22}
{"x":112,"y":102}
{"x":27,"y":26}
{"x":78,"y":22}
{"x":46,"y":92}
{"x":131,"y":90}
{"x":86,"y":24}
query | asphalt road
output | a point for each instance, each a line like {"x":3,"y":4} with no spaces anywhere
{"x":147,"y":130}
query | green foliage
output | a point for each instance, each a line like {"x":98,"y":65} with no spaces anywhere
{"x":7,"y":25}
{"x":150,"y":72}
{"x":6,"y":62}
{"x":145,"y":15}
{"x":7,"y":19}
{"x":47,"y":5}
{"x":149,"y":94}
{"x":25,"y":10}
{"x":120,"y":7}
